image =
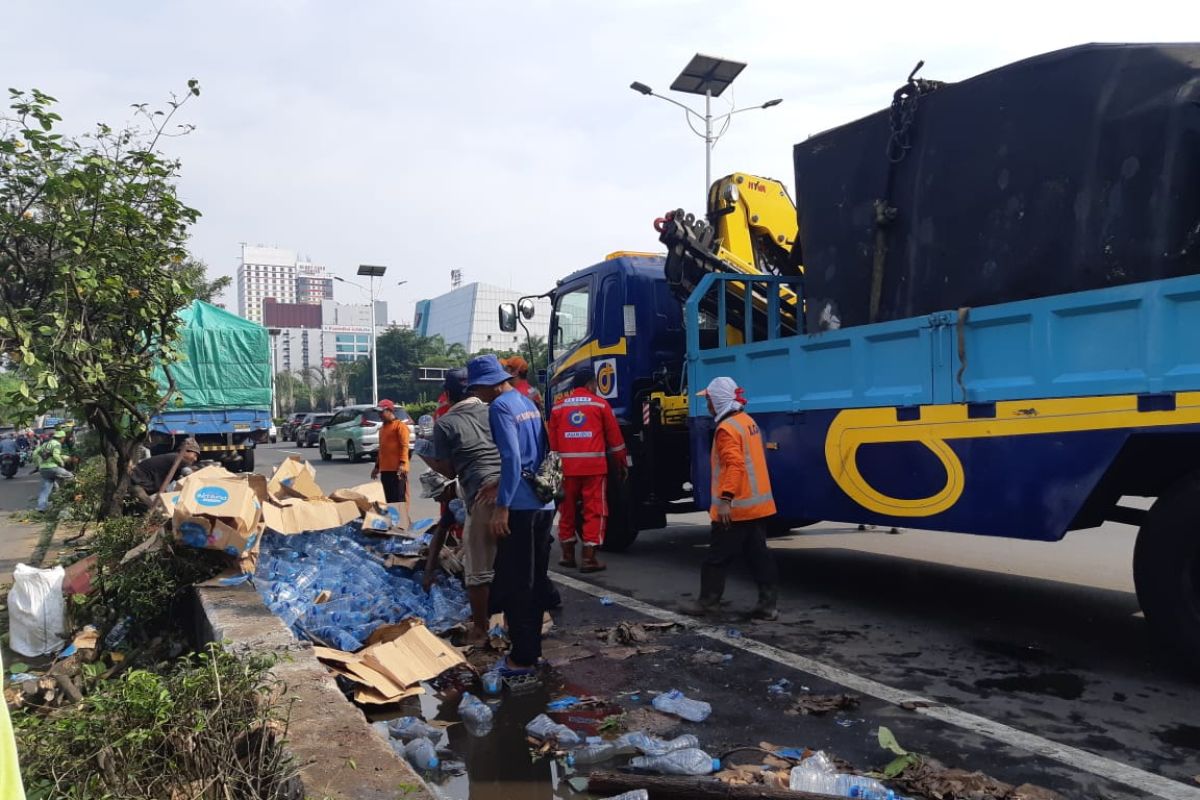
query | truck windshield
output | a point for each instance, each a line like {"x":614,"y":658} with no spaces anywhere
{"x":570,"y":320}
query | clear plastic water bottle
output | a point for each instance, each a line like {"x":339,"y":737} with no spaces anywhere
{"x":421,"y":754}
{"x":674,"y":702}
{"x":542,"y":727}
{"x":689,"y":761}
{"x":592,"y":754}
{"x":814,"y":774}
{"x":858,"y":786}
{"x":475,"y":714}
{"x":492,"y":682}
{"x":408,"y":728}
{"x":116,"y":635}
{"x":652,"y":745}
{"x":636,"y":794}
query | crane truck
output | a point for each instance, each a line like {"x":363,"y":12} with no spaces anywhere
{"x":1010,"y":356}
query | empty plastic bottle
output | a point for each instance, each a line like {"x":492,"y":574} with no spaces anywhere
{"x":116,"y":635}
{"x":636,"y":794}
{"x":475,"y":714}
{"x":814,"y":774}
{"x":408,"y":728}
{"x":421,"y":754}
{"x":593,"y":754}
{"x":647,"y":745}
{"x":492,"y":682}
{"x":674,"y":702}
{"x":689,"y":761}
{"x":542,"y":727}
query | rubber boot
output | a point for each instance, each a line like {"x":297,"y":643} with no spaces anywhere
{"x":590,"y":562}
{"x":768,"y":601}
{"x":568,"y":555}
{"x":712,"y":587}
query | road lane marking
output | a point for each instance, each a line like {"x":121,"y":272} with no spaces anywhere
{"x":1116,"y":771}
{"x":293,"y":452}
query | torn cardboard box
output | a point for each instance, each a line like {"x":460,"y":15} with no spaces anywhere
{"x":368,"y":496}
{"x":222,"y":514}
{"x":295,"y":477}
{"x":415,"y":655}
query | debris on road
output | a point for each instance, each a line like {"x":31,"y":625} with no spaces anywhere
{"x":675,"y":702}
{"x":703,"y":656}
{"x":633,"y":632}
{"x":817,"y":704}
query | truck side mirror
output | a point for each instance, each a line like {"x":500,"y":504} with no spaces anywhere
{"x":508,"y":317}
{"x":527,"y":308}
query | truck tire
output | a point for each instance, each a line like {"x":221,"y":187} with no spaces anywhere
{"x":1166,"y":567}
{"x":622,"y":529}
{"x":247,"y":464}
{"x":325,"y":454}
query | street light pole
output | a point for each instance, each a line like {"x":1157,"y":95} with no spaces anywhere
{"x":710,"y":77}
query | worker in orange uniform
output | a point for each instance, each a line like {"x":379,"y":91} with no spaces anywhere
{"x":519,"y":369}
{"x":742,"y":504}
{"x":391,"y":464}
{"x":584,"y":432}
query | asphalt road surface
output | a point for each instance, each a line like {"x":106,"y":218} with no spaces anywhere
{"x":1034,"y":656}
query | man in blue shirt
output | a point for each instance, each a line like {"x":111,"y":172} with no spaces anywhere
{"x":520,"y":521}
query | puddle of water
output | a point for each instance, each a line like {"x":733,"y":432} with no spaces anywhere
{"x":1015,"y":651}
{"x":1056,"y":684}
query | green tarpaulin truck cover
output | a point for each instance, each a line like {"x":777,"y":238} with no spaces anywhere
{"x":225,"y":363}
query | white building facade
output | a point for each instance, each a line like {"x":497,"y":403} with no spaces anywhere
{"x":469,"y":316}
{"x":279,"y":274}
{"x":343,"y":334}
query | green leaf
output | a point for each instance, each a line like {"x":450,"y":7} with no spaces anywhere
{"x":17,"y":666}
{"x":899,"y":764}
{"x":887,"y":740}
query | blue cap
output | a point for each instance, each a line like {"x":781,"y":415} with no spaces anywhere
{"x":486,"y":371}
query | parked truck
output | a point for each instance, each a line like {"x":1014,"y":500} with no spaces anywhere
{"x":222,"y":391}
{"x":1011,"y":356}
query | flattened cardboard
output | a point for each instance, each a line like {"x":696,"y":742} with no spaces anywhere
{"x":377,"y":687}
{"x":294,"y":515}
{"x":415,"y":655}
{"x":295,"y":477}
{"x":371,"y":697}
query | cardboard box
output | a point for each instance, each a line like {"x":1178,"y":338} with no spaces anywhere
{"x":221,"y":514}
{"x":295,"y":477}
{"x":294,"y":515}
{"x":376,"y":523}
{"x":415,"y":655}
{"x":165,"y":503}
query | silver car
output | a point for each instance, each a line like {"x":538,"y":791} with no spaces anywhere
{"x":354,"y":430}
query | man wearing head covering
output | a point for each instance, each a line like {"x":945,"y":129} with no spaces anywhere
{"x":519,"y":369}
{"x":463,"y":449}
{"x":520,"y":521}
{"x":150,"y":475}
{"x":391,"y":463}
{"x":584,"y":432}
{"x":742,"y":503}
{"x":51,"y":464}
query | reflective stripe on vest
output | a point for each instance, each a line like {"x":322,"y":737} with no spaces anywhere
{"x":759,"y":493}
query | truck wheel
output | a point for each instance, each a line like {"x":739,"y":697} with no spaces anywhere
{"x":1166,"y":566}
{"x":247,"y":461}
{"x":325,"y":454}
{"x":622,"y":518}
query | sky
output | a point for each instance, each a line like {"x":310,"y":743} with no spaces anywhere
{"x":501,"y":139}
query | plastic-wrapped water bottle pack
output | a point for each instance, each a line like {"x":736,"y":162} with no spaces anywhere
{"x":294,"y":570}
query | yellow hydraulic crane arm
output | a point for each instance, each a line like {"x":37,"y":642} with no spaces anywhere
{"x":750,"y":228}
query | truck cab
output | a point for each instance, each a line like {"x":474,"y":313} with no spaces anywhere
{"x":620,"y":317}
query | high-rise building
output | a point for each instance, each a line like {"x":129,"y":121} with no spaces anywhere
{"x":307,"y":336}
{"x":264,"y":272}
{"x":468,"y":316}
{"x":273,"y":272}
{"x":312,"y":284}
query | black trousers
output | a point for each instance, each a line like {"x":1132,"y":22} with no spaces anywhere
{"x":521,"y":587}
{"x":395,"y":489}
{"x":747,"y":539}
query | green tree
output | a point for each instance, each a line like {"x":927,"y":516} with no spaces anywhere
{"x":401,"y":351}
{"x":91,"y":228}
{"x":534,"y":351}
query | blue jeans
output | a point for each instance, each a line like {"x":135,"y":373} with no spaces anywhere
{"x":51,"y":476}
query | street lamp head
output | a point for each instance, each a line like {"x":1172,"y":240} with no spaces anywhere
{"x":641,"y":87}
{"x":339,"y":278}
{"x":774,"y":102}
{"x":401,"y":283}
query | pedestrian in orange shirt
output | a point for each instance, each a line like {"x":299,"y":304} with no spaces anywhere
{"x":391,"y":464}
{"x":741,"y":505}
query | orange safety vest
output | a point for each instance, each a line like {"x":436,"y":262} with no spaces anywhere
{"x":751,"y":489}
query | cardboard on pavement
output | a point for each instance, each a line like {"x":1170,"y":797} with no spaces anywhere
{"x":395,"y":662}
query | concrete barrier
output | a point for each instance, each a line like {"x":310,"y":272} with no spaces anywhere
{"x":337,"y":753}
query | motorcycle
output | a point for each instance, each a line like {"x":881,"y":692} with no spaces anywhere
{"x":8,"y":464}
